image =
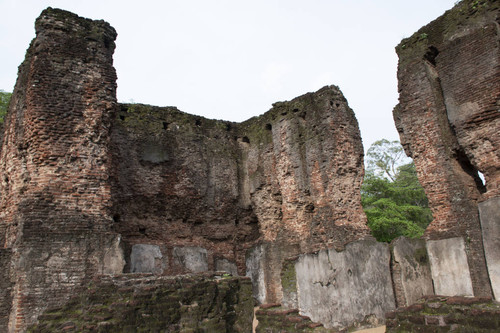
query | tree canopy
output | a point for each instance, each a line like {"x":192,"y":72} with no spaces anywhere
{"x":4,"y":104}
{"x":393,"y":199}
{"x":384,"y":157}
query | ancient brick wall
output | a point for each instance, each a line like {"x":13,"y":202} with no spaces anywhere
{"x":288,"y":179}
{"x":55,"y":194}
{"x":176,"y":184}
{"x":5,"y":288}
{"x":89,"y":186}
{"x":302,"y":172}
{"x":448,"y":121}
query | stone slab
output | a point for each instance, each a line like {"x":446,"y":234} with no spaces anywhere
{"x":342,"y":289}
{"x":192,"y":258}
{"x":489,"y":213}
{"x":114,"y":259}
{"x":411,"y":270}
{"x":449,"y":267}
{"x":255,"y":271}
{"x":224,"y":265}
{"x":146,"y":258}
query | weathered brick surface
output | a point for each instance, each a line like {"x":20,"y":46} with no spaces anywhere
{"x":80,"y":173}
{"x":289,"y":179}
{"x":141,"y":303}
{"x":5,"y":288}
{"x":446,"y":314}
{"x":55,"y":196}
{"x":302,"y":171}
{"x":175,"y":184}
{"x":448,"y":120}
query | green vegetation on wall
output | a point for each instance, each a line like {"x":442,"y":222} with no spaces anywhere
{"x":393,"y":199}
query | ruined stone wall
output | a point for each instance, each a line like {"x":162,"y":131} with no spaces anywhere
{"x":176,"y":186}
{"x":302,"y":175}
{"x":55,"y":194}
{"x":89,"y":186}
{"x":135,"y":302}
{"x":446,"y":314}
{"x":448,"y":119}
{"x":287,"y":182}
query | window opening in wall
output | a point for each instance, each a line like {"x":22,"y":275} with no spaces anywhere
{"x":481,"y":177}
{"x":431,"y":55}
{"x":393,"y":199}
{"x":471,"y":170}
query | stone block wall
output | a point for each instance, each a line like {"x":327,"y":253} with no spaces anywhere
{"x":137,"y":302}
{"x":411,"y":271}
{"x":339,"y":289}
{"x":446,"y":314}
{"x":272,"y":318}
{"x":450,"y":271}
{"x":489,"y":212}
{"x":448,"y":120}
{"x":333,"y":290}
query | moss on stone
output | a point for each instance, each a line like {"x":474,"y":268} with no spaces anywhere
{"x":289,"y":277}
{"x":185,"y":303}
{"x":465,"y":13}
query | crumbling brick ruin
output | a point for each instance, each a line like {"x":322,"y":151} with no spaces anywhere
{"x":107,"y":206}
{"x":93,"y":187}
{"x":449,"y":123}
{"x":55,"y":164}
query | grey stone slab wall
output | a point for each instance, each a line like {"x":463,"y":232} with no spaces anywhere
{"x":255,"y":271}
{"x":192,"y":258}
{"x":489,"y":212}
{"x":147,"y":258}
{"x":339,"y":289}
{"x":224,"y":265}
{"x":411,"y":271}
{"x":449,"y":267}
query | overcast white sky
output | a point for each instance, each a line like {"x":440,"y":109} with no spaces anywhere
{"x":230,"y":59}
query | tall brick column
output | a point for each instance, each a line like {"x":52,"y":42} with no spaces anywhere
{"x":55,"y":194}
{"x":448,"y":119}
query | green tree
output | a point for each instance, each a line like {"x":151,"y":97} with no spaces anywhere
{"x":393,"y":199}
{"x":4,"y":104}
{"x":384,"y":157}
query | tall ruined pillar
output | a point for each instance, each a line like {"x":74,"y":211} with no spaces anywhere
{"x":55,"y":194}
{"x":448,"y":119}
{"x":303,"y":168}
